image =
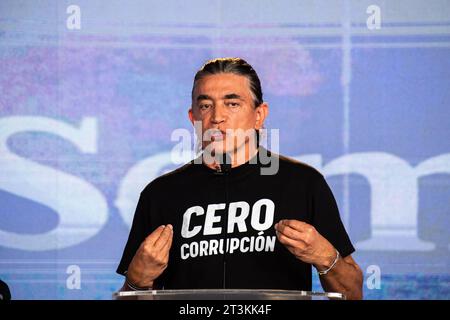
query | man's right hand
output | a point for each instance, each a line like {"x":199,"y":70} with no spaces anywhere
{"x":152,"y":257}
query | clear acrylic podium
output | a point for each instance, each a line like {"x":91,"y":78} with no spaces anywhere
{"x":226,"y":294}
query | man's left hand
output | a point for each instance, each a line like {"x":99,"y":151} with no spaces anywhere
{"x":305,"y":243}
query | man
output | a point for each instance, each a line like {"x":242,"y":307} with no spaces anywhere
{"x":201,"y":227}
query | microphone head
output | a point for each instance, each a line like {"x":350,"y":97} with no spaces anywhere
{"x":224,"y":164}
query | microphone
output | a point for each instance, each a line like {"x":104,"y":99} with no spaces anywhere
{"x":225,"y":164}
{"x":223,"y":170}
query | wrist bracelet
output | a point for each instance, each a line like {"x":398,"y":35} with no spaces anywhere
{"x":134,"y":287}
{"x":324,"y":272}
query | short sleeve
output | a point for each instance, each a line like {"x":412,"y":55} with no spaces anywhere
{"x":326,"y":218}
{"x":138,"y":233}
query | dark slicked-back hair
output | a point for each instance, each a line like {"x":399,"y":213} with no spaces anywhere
{"x":236,"y":66}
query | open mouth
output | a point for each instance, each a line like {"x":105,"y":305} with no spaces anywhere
{"x":217,"y":135}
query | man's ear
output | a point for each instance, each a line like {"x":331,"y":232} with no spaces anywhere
{"x":262,"y":111}
{"x":191,"y":115}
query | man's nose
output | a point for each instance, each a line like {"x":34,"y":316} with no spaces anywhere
{"x":218,"y":114}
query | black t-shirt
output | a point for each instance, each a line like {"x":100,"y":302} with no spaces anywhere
{"x":238,"y":210}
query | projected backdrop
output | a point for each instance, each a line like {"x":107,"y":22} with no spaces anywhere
{"x":91,"y":91}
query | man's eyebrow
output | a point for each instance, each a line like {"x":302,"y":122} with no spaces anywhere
{"x":203,"y":97}
{"x":232,"y":96}
{"x":227,"y":96}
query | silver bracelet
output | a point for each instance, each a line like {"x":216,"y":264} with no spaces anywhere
{"x":324,"y":272}
{"x":134,"y":287}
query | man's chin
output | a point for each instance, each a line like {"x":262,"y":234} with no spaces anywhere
{"x":221,"y":148}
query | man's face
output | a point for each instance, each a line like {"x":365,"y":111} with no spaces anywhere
{"x":224,"y":102}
